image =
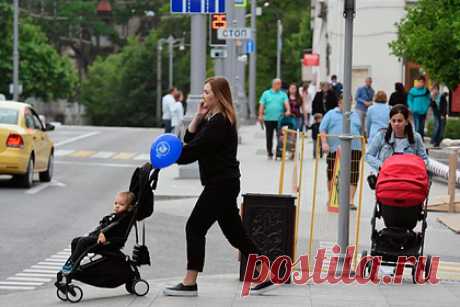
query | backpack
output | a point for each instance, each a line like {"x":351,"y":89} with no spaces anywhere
{"x":403,"y":181}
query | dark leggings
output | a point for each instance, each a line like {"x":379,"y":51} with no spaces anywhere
{"x":80,"y":245}
{"x":270,"y":127}
{"x":217,"y":202}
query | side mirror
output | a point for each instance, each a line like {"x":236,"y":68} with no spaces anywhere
{"x":49,"y":127}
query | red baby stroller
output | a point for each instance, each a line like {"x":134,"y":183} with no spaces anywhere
{"x":402,"y":191}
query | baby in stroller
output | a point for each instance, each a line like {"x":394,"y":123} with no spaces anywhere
{"x":110,"y":232}
{"x":97,"y":259}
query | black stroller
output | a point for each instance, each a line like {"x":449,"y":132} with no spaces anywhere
{"x":402,"y":196}
{"x":103,"y":266}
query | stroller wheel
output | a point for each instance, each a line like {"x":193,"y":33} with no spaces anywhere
{"x":74,"y":294}
{"x":140,"y":287}
{"x":61,"y":294}
{"x":129,"y":287}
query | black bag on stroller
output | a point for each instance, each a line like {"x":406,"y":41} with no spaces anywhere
{"x":106,"y":266}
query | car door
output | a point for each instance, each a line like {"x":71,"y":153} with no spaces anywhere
{"x":43,"y":152}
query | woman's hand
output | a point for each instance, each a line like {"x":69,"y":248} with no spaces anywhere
{"x":101,"y":239}
{"x":202,"y":109}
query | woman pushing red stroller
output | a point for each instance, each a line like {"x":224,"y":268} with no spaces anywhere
{"x":402,"y":188}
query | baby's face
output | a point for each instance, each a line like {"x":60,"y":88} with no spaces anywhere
{"x":120,"y":205}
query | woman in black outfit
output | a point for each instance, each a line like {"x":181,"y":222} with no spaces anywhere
{"x":212,"y":140}
{"x":399,"y":96}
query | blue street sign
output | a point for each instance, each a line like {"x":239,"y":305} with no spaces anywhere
{"x":197,"y":6}
{"x":250,"y":46}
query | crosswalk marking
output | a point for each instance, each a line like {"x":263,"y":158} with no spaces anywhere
{"x":16,"y":288}
{"x":103,"y":155}
{"x":124,"y":155}
{"x":30,"y":279}
{"x":52,"y":275}
{"x":40,"y":271}
{"x":56,"y":264}
{"x":46,"y":267}
{"x":82,"y":154}
{"x":59,"y":260}
{"x":20,"y":283}
{"x":62,"y":152}
{"x":142,"y":157}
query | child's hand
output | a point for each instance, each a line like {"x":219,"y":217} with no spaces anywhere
{"x":101,"y":239}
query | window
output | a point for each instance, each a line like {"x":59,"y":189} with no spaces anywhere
{"x":37,"y":122}
{"x":8,"y":116}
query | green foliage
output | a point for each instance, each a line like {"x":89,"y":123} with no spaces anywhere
{"x":430,"y":36}
{"x":42,"y":71}
{"x":295,"y":17}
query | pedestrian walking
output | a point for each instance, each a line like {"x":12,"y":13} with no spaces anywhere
{"x":331,"y":98}
{"x":439,"y":107}
{"x":272,"y":105}
{"x":377,"y":115}
{"x":295,"y":106}
{"x":319,"y":101}
{"x":167,"y":103}
{"x":399,"y":138}
{"x":331,"y":127}
{"x":212,"y":140}
{"x":177,"y":114}
{"x":315,"y":132}
{"x":399,"y":96}
{"x":364,"y":97}
{"x":419,"y":101}
{"x":307,"y":93}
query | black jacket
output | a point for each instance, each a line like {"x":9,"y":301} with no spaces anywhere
{"x":324,"y":101}
{"x":214,"y":146}
{"x":442,"y":109}
{"x":398,"y":98}
{"x":115,"y":227}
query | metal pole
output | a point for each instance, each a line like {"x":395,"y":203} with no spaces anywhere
{"x":345,"y":162}
{"x":159,"y":91}
{"x":171,"y":55}
{"x":279,"y":47}
{"x":16,"y":51}
{"x":252,"y":64}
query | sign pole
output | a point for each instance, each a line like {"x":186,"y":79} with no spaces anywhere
{"x":252,"y":64}
{"x":346,"y":139}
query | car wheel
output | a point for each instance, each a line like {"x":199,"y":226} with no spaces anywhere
{"x":26,"y":180}
{"x":48,"y":174}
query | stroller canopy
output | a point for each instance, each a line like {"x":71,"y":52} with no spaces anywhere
{"x":143,"y":181}
{"x":403,"y":181}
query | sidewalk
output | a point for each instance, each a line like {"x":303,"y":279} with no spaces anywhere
{"x":260,"y":175}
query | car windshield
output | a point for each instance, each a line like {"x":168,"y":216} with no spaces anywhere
{"x":8,"y":116}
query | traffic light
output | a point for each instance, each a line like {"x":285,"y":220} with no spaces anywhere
{"x":217,"y":21}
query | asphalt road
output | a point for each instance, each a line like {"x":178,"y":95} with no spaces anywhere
{"x":92,"y":164}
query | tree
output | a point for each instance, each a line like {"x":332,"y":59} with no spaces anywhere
{"x":430,"y":36}
{"x":43,"y":72}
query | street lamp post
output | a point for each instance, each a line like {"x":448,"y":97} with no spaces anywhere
{"x":16,"y":51}
{"x":279,"y":47}
{"x":346,"y":137}
{"x":252,"y":63}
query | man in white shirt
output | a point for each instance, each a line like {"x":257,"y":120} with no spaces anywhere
{"x":167,"y":104}
{"x":177,"y":114}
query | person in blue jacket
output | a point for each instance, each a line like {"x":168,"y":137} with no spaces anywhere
{"x":419,"y":101}
{"x":377,"y":115}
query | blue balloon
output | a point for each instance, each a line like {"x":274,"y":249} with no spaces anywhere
{"x":165,"y":150}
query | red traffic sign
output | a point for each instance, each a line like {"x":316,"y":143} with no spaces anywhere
{"x":311,"y":59}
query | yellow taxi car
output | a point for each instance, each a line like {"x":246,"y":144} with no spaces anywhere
{"x":25,"y":148}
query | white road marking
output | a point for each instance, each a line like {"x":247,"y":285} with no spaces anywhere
{"x":45,"y":267}
{"x":97,"y":164}
{"x":77,"y":138}
{"x":20,"y":283}
{"x":30,"y":279}
{"x":41,"y":271}
{"x":53,"y":183}
{"x":103,"y":155}
{"x":56,"y":260}
{"x":60,"y":257}
{"x":64,"y":253}
{"x":16,"y":288}
{"x":53,"y":275}
{"x":142,"y":157}
{"x":62,"y":152}
{"x":56,"y":264}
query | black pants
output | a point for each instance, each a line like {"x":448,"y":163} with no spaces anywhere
{"x":216,"y":203}
{"x":270,"y":127}
{"x":80,"y":245}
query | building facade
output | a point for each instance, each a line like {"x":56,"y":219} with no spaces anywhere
{"x":374,"y":28}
